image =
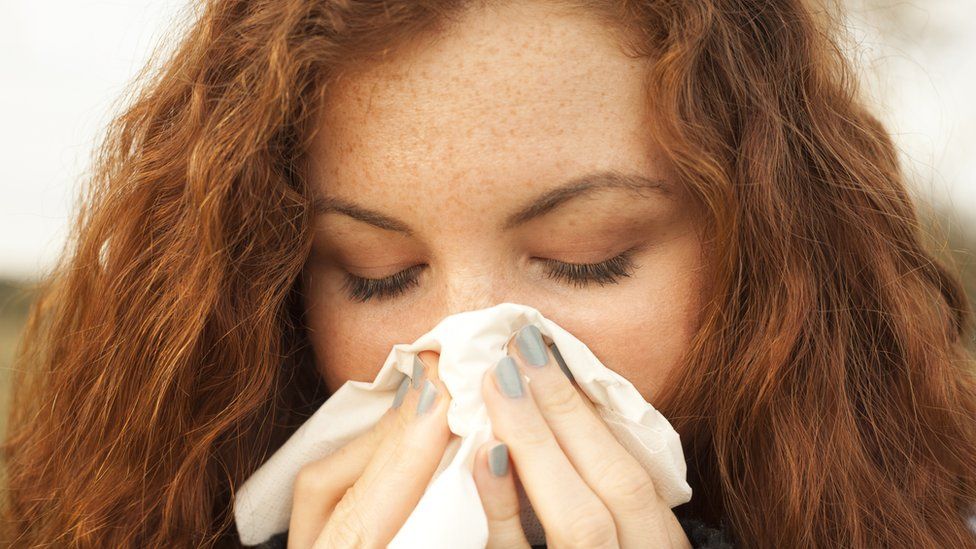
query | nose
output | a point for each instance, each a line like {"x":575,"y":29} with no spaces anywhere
{"x":468,"y":290}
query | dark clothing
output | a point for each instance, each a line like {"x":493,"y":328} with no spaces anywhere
{"x":701,"y":535}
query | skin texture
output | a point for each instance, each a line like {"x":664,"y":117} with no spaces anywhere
{"x":450,"y":137}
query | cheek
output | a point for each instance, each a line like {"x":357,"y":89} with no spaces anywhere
{"x":651,"y":341}
{"x":645,"y":332}
{"x":352,"y":346}
{"x":348,"y":344}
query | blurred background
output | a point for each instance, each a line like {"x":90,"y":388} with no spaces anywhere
{"x":66,"y":66}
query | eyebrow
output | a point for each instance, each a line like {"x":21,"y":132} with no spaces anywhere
{"x":537,"y":207}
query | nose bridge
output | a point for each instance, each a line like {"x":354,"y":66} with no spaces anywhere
{"x":472,"y":288}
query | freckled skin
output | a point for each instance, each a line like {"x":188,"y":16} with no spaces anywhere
{"x":451,"y":136}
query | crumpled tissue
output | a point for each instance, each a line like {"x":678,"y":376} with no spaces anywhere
{"x":469,"y":343}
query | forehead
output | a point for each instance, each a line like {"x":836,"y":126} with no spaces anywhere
{"x":510,"y":95}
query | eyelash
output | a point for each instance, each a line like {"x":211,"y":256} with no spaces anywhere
{"x":579,"y":274}
{"x":584,"y":274}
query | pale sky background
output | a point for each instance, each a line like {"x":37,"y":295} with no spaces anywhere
{"x":64,"y":65}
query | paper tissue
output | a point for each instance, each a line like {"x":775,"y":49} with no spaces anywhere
{"x":469,"y":343}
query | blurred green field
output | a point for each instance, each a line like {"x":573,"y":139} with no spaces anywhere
{"x":14,"y":302}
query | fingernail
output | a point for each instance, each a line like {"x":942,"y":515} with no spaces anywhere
{"x":401,"y":392}
{"x":507,"y":375}
{"x":530,"y":344}
{"x":427,"y":397}
{"x":498,"y":459}
{"x":418,"y":372}
{"x":561,"y":361}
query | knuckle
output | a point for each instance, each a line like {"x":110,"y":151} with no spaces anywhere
{"x":308,"y":481}
{"x":344,"y":534}
{"x":561,"y":400}
{"x":534,"y":435}
{"x":627,"y":484}
{"x":592,"y":527}
{"x":348,"y":526}
{"x":507,"y":515}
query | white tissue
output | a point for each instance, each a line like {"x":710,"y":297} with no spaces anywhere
{"x":469,"y":343}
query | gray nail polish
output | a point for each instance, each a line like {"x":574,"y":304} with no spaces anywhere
{"x":427,"y":397}
{"x":509,"y":380}
{"x":401,"y":392}
{"x":418,"y":372}
{"x":498,"y":459}
{"x":530,"y":344}
{"x":561,"y":361}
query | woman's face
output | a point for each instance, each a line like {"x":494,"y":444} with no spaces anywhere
{"x":470,"y":169}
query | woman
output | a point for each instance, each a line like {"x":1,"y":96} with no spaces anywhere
{"x":693,"y":189}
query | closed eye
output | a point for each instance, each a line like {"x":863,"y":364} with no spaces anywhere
{"x":605,"y":272}
{"x":580,"y":275}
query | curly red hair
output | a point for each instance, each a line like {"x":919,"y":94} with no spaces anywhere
{"x":827,"y":401}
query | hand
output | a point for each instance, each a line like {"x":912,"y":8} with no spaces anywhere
{"x":360,"y":495}
{"x":585,"y":487}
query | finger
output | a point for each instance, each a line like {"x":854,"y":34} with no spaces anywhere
{"x":620,"y":481}
{"x":561,"y":362}
{"x":378,"y":503}
{"x":425,"y":366}
{"x":406,"y":396}
{"x":568,"y":509}
{"x":320,"y":484}
{"x":554,"y":352}
{"x":403,"y":411}
{"x":496,"y":486}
